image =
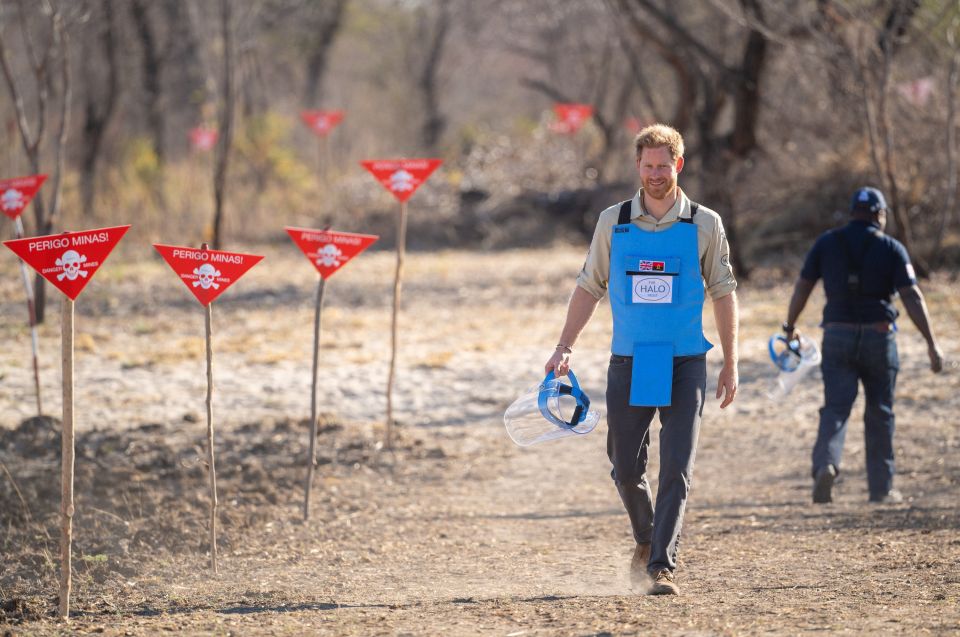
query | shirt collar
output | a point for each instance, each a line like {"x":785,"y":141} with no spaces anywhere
{"x":679,"y":210}
{"x":865,"y":222}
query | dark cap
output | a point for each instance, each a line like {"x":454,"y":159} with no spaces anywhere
{"x":868,"y":200}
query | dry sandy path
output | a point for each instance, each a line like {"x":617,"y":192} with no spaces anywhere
{"x":460,"y":532}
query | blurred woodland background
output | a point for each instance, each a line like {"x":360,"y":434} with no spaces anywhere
{"x":786,"y":107}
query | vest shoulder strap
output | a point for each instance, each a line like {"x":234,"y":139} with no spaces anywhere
{"x":694,"y":207}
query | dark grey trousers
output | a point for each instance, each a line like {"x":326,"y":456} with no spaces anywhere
{"x":628,"y":437}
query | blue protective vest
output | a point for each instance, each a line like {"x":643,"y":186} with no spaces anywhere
{"x":656,"y":294}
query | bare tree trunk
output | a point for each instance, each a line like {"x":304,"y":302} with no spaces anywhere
{"x":326,"y":32}
{"x":873,"y":134}
{"x":186,"y":53}
{"x":902,"y":228}
{"x":97,"y":116}
{"x":226,"y":123}
{"x":716,"y":161}
{"x":152,"y":77}
{"x":434,"y":120}
{"x":947,"y":214}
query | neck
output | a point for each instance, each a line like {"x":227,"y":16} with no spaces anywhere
{"x":657,"y":208}
{"x":873,"y":221}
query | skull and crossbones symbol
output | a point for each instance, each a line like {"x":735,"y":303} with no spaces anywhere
{"x":321,"y":124}
{"x":401,"y":181}
{"x":12,"y":199}
{"x":329,"y":256}
{"x":206,"y":273}
{"x":71,"y":262}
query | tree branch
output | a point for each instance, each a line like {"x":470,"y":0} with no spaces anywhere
{"x":664,"y":18}
{"x":22,"y":123}
{"x":686,"y":87}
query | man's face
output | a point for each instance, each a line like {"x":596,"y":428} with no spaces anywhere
{"x":658,"y":172}
{"x":882,"y":218}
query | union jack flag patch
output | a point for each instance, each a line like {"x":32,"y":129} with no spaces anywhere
{"x":651,"y":266}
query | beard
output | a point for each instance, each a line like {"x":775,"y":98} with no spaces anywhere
{"x":660,"y":190}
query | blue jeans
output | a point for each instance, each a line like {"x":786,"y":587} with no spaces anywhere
{"x":849,"y":355}
{"x":628,"y":437}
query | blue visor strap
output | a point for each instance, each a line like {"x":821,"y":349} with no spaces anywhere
{"x":573,"y":390}
{"x":793,"y":345}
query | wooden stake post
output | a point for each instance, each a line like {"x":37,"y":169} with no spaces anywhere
{"x":67,"y":458}
{"x":312,"y":460}
{"x":210,"y":458}
{"x":324,"y":158}
{"x":401,"y":249}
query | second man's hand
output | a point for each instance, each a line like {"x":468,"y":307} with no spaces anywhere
{"x":936,"y":358}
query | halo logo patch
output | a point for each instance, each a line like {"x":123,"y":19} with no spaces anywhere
{"x":652,"y":289}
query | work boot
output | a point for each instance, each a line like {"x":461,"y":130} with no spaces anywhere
{"x":823,"y":484}
{"x":663,"y":584}
{"x":639,"y":579}
{"x":890,"y":497}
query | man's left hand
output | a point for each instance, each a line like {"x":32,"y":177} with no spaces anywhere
{"x":727,"y":384}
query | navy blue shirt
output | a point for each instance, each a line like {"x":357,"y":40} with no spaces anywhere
{"x":884,"y":268}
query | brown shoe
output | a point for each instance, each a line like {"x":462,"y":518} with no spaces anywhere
{"x":823,"y":484}
{"x":638,"y":566}
{"x":663,"y":584}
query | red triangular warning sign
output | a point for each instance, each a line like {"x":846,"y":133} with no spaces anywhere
{"x":17,"y":193}
{"x":571,"y":117}
{"x":321,"y":122}
{"x":68,"y":260}
{"x":402,"y":177}
{"x":203,"y":138}
{"x":327,"y":250}
{"x":207,"y":273}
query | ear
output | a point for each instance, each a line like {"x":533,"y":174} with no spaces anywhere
{"x":679,"y":164}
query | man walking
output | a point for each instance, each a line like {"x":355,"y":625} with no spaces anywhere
{"x":655,"y":254}
{"x":862,"y":270}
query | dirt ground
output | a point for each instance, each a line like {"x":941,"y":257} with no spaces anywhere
{"x":455,"y":531}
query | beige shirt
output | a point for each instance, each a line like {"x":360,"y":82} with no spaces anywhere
{"x":712,"y":242}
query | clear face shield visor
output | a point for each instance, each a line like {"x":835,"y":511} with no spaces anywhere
{"x":553,"y":409}
{"x":794,"y":359}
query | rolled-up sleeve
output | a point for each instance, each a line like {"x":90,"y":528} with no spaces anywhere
{"x":596,"y":268}
{"x":715,"y":258}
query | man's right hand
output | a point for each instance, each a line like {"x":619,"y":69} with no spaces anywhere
{"x":559,"y":363}
{"x":936,"y":358}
